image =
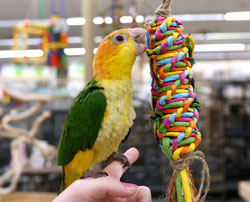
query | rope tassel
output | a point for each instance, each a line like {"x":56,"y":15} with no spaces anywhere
{"x":175,"y":109}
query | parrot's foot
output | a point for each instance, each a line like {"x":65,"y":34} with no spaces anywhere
{"x":118,"y":157}
{"x":94,"y":174}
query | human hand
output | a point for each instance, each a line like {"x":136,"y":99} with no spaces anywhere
{"x":107,"y":189}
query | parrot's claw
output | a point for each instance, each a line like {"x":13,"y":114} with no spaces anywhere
{"x":94,"y":174}
{"x":118,"y":157}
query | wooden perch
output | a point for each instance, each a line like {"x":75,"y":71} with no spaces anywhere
{"x":28,"y":97}
{"x":20,"y":136}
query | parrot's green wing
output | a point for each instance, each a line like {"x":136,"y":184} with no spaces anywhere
{"x":82,"y":123}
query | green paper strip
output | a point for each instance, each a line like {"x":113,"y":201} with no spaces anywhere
{"x":180,"y":197}
{"x":185,"y":141}
{"x":181,"y":124}
{"x":176,"y":104}
{"x":158,"y":112}
{"x":162,"y":129}
{"x":173,"y":196}
{"x":181,"y":64}
{"x":167,"y":67}
{"x":153,"y":23}
{"x":157,"y":50}
{"x":165,"y":148}
{"x":166,"y":88}
{"x":167,"y":33}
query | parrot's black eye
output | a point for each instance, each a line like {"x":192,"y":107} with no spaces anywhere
{"x":120,"y":38}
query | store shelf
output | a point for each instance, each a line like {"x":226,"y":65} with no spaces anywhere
{"x":30,"y":170}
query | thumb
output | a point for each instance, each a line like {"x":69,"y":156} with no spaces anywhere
{"x":110,"y":187}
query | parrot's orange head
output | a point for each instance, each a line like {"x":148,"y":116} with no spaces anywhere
{"x":117,"y":52}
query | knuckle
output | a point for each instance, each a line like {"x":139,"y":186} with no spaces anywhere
{"x":144,"y":188}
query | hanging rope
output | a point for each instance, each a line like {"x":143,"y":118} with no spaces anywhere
{"x":175,"y":109}
{"x":164,"y":9}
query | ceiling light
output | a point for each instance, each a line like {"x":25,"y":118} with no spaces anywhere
{"x":95,"y":50}
{"x":98,"y":39}
{"x":219,"y":47}
{"x":201,"y":17}
{"x":221,"y":36}
{"x":126,"y":19}
{"x":75,"y":39}
{"x":74,"y":51}
{"x":227,"y":36}
{"x":9,"y":23}
{"x":139,"y":19}
{"x":21,"y":53}
{"x":6,"y":42}
{"x":108,"y":20}
{"x":98,"y":20}
{"x":75,"y":21}
{"x":233,"y":16}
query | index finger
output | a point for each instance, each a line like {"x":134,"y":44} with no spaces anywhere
{"x":116,"y":169}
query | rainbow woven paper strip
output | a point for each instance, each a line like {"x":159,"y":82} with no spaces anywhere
{"x":174,"y":104}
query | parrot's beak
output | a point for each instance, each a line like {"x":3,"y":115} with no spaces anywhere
{"x":138,"y":34}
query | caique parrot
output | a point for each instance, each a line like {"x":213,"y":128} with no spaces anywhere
{"x":102,"y":114}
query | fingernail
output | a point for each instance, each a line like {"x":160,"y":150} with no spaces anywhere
{"x":129,"y":186}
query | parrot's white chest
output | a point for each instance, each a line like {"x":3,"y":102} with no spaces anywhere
{"x":118,"y":117}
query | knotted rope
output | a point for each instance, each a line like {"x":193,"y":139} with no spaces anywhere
{"x":174,"y":103}
{"x":184,"y":163}
{"x":163,"y":9}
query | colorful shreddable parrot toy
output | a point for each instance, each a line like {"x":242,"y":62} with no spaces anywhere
{"x":102,"y":114}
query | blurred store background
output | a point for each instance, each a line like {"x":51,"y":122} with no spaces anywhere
{"x":45,"y":62}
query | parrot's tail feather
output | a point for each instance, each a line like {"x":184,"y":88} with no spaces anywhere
{"x":77,"y":167}
{"x":61,"y":187}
